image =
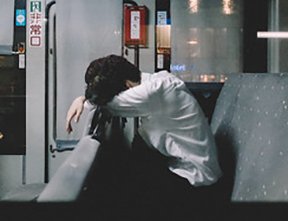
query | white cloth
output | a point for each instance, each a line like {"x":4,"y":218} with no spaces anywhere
{"x":173,"y":123}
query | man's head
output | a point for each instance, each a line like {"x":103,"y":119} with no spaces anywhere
{"x":108,"y":76}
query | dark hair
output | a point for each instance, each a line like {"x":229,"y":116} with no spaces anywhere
{"x":106,"y":77}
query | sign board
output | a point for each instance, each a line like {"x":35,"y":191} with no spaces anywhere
{"x":35,"y":24}
{"x":20,"y":17}
{"x":135,"y":25}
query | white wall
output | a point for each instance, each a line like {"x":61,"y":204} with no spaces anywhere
{"x":6,"y":22}
{"x":35,"y":106}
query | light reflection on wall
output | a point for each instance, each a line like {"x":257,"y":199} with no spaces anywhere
{"x":193,"y":6}
{"x":228,"y":7}
{"x":193,"y":42}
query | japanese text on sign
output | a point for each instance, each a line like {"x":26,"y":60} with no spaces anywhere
{"x":135,"y":25}
{"x":35,"y":27}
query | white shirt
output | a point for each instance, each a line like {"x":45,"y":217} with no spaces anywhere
{"x":173,"y":123}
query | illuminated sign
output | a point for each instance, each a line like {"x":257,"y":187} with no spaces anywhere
{"x":20,"y":17}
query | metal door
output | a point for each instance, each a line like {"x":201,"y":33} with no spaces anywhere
{"x":79,"y":32}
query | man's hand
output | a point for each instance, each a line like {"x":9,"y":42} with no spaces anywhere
{"x":75,"y":112}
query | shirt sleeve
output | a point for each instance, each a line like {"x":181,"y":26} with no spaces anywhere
{"x":138,"y":101}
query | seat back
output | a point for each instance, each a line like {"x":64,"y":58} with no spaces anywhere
{"x":69,"y":180}
{"x":250,"y":124}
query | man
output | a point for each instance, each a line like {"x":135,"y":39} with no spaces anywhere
{"x":174,"y":152}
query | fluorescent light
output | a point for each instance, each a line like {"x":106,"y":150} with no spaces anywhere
{"x":272,"y":34}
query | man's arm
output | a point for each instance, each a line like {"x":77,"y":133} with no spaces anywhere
{"x":74,"y":112}
{"x":138,"y":101}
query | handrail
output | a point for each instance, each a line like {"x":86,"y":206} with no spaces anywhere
{"x":47,"y":17}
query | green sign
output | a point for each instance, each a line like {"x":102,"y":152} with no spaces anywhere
{"x":35,"y":6}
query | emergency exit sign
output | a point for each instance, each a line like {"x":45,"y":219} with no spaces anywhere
{"x":35,"y":24}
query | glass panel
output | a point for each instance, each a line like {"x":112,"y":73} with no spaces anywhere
{"x":163,"y":35}
{"x":12,"y":83}
{"x":283,"y":26}
{"x":6,"y":26}
{"x":277,"y":49}
{"x":12,"y":107}
{"x":206,"y":38}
